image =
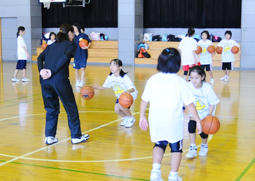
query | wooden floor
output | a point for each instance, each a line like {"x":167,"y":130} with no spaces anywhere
{"x":114,"y":152}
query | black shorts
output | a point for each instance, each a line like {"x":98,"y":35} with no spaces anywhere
{"x":227,"y":65}
{"x":207,"y":67}
{"x":175,"y":147}
{"x":21,"y":64}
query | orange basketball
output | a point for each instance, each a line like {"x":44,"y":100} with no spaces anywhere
{"x":83,"y":43}
{"x":199,"y":50}
{"x":126,"y":100}
{"x":44,"y":45}
{"x":219,"y":50}
{"x":211,"y":49}
{"x":210,"y":124}
{"x":234,"y":49}
{"x":87,"y":92}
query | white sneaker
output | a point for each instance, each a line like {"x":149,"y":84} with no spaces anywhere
{"x":226,"y":79}
{"x":203,"y":150}
{"x":124,"y":122}
{"x":24,"y":79}
{"x":14,"y":79}
{"x":212,"y":81}
{"x":49,"y":140}
{"x":83,"y":138}
{"x":130,"y":122}
{"x":223,"y":78}
{"x":77,"y":83}
{"x":156,"y":175}
{"x":175,"y":178}
{"x":81,"y":84}
{"x":192,"y":152}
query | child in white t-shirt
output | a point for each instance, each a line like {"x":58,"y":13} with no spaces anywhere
{"x":121,"y":83}
{"x":187,"y":48}
{"x":227,"y":56}
{"x":205,"y":102}
{"x":22,"y":54}
{"x":206,"y":57}
{"x":52,"y":38}
{"x":167,"y":92}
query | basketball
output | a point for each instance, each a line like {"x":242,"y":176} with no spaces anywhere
{"x":211,"y":49}
{"x":44,"y":45}
{"x":83,"y":43}
{"x":210,"y":124}
{"x":87,"y":92}
{"x":126,"y":100}
{"x":219,"y":50}
{"x":199,"y":50}
{"x":234,"y":49}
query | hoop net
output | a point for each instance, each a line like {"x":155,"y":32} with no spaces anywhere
{"x":46,"y":3}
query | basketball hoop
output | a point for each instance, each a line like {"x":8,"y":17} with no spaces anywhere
{"x":46,"y":3}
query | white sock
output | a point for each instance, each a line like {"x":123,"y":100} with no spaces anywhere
{"x":205,"y":145}
{"x":193,"y":145}
{"x":173,"y":174}
{"x":156,"y":166}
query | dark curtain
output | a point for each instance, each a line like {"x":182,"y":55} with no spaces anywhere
{"x":99,"y":13}
{"x":192,"y":13}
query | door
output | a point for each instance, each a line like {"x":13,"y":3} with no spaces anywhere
{"x":248,"y":35}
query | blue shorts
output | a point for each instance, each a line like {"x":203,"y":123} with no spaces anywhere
{"x":175,"y":147}
{"x":21,"y":64}
{"x":78,"y":64}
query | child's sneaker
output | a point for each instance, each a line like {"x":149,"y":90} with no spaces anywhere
{"x":223,"y":78}
{"x":156,"y":175}
{"x":174,"y":178}
{"x":124,"y":122}
{"x":77,"y":83}
{"x":14,"y":79}
{"x":80,"y":140}
{"x":192,"y":152}
{"x":130,"y":122}
{"x":212,"y":81}
{"x":203,"y":150}
{"x":49,"y":140}
{"x":81,"y":84}
{"x":226,"y":79}
{"x":24,"y":79}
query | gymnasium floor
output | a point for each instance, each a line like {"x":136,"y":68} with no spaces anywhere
{"x":114,"y":152}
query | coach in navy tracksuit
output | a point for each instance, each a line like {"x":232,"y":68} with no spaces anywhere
{"x":53,"y":64}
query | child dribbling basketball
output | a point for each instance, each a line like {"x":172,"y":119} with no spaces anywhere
{"x":121,"y":83}
{"x":167,"y":92}
{"x":206,"y":57}
{"x":205,"y":102}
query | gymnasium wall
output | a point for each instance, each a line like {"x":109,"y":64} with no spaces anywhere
{"x":17,"y":13}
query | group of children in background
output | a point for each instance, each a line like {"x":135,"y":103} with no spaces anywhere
{"x":166,"y":92}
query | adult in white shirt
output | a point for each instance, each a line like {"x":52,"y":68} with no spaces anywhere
{"x":227,"y":56}
{"x":187,"y":48}
{"x":22,"y":54}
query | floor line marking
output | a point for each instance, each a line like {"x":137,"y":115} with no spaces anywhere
{"x":245,"y":170}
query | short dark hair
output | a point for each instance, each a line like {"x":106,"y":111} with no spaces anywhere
{"x":63,"y":34}
{"x":229,"y":32}
{"x":199,"y":70}
{"x":78,"y":26}
{"x":207,"y":34}
{"x":119,"y":63}
{"x":169,"y":61}
{"x":52,"y":33}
